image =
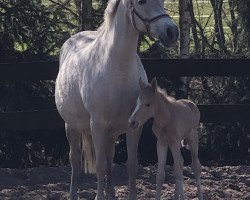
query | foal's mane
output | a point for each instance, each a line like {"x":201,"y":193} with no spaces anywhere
{"x":164,"y":94}
{"x":109,"y":13}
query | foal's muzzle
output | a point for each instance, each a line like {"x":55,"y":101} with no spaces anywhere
{"x":133,"y":124}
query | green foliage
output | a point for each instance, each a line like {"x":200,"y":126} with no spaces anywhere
{"x":222,"y":142}
{"x":225,"y":143}
{"x":30,"y":30}
{"x":24,"y":149}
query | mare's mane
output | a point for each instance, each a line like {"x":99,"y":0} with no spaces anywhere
{"x":109,"y":14}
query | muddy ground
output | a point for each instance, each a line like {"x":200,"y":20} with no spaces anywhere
{"x":52,"y":183}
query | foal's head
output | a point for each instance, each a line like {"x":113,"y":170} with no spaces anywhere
{"x":149,"y":16}
{"x":145,"y":105}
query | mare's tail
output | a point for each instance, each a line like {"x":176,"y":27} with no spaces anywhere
{"x":88,"y":155}
{"x":185,"y":144}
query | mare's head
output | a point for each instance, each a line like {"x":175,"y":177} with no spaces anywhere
{"x":149,"y":16}
{"x":145,"y":104}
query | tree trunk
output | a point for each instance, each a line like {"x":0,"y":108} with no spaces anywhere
{"x":86,"y":17}
{"x":185,"y":24}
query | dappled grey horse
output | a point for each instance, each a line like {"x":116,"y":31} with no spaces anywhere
{"x":97,"y":87}
{"x":174,"y":121}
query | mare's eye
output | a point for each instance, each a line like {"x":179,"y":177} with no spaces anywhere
{"x":141,"y":2}
{"x":147,"y":104}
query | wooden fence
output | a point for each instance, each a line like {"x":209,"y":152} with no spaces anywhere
{"x":50,"y":119}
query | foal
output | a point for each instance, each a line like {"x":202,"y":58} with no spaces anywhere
{"x":174,"y":121}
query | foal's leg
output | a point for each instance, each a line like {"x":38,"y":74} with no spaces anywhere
{"x":99,"y":140}
{"x":162,"y":151}
{"x":132,"y":139}
{"x":178,"y":173}
{"x":74,"y":139}
{"x":110,"y":152}
{"x":196,"y":166}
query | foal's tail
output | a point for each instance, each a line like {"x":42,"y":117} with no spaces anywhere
{"x":88,"y":154}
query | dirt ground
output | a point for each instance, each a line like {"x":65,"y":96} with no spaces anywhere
{"x":228,"y":182}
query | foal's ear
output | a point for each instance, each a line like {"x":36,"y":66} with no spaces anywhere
{"x":142,"y":84}
{"x":154,"y":84}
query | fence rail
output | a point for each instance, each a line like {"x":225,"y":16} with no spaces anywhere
{"x":50,"y":119}
{"x":33,"y":71}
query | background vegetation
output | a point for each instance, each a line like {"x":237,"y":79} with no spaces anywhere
{"x":35,"y":30}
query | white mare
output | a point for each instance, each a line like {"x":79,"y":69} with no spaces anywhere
{"x":174,"y":121}
{"x":97,"y":87}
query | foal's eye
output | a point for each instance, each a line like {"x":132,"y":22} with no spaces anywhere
{"x":141,"y":2}
{"x":147,"y":104}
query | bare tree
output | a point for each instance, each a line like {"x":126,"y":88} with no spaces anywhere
{"x":82,"y":12}
{"x":185,"y":24}
{"x":217,"y":6}
{"x":197,"y":45}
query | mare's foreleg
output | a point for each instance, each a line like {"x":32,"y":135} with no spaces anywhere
{"x":110,"y":152}
{"x":132,"y":139}
{"x":74,"y":139}
{"x":162,"y":150}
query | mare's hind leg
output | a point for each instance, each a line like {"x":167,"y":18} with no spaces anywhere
{"x":178,"y":173}
{"x":132,"y":139}
{"x":162,"y":151}
{"x":110,"y":152}
{"x":74,"y":139}
{"x":196,"y":166}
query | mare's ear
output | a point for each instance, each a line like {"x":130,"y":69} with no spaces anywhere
{"x":154,"y":84}
{"x":142,"y":84}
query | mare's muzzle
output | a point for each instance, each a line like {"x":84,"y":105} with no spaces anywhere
{"x":146,"y":21}
{"x":170,"y":37}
